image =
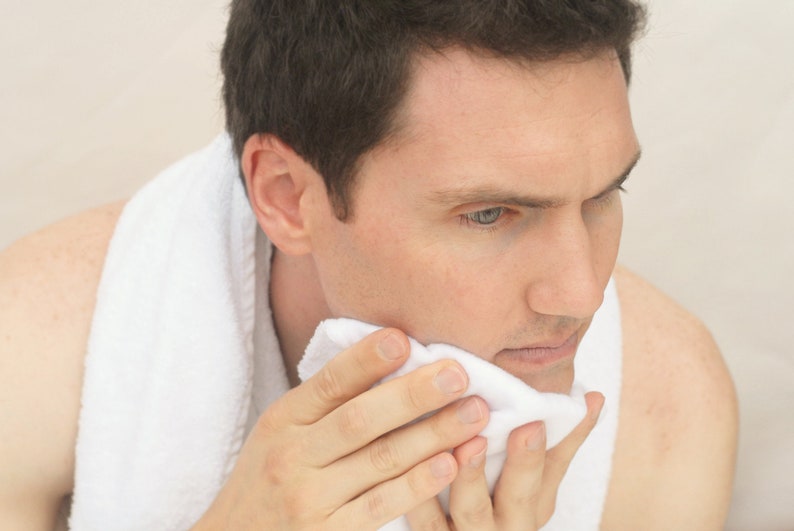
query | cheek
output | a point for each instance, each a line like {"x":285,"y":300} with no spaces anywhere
{"x":420,"y":289}
{"x":605,"y":238}
{"x":369,"y":272}
{"x":449,"y":302}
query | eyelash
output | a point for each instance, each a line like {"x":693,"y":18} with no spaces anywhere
{"x":467,"y":219}
{"x":608,"y":197}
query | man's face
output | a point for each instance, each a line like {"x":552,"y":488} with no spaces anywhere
{"x":492,"y":220}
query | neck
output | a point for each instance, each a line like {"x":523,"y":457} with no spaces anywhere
{"x":298,"y":306}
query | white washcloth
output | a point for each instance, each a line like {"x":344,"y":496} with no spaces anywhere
{"x":168,"y":371}
{"x":511,"y":402}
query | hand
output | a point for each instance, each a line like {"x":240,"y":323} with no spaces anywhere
{"x":335,"y":453}
{"x":526,"y":493}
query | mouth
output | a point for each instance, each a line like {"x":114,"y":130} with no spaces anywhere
{"x":544,"y":354}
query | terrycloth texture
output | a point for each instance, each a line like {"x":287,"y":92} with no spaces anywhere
{"x":168,"y":379}
{"x":169,"y":366}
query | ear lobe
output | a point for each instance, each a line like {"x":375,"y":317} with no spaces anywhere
{"x":276,"y":182}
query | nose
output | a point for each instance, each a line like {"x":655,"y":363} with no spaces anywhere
{"x":567,"y":282}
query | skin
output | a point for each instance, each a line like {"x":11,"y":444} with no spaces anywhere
{"x":414,"y":258}
{"x":332,"y":453}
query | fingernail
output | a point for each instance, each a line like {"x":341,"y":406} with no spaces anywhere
{"x":477,"y":459}
{"x":536,"y":440}
{"x":451,"y":380}
{"x":391,"y":348}
{"x":441,"y":467}
{"x":470,"y":411}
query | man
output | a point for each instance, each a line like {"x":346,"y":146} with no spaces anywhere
{"x":450,"y":171}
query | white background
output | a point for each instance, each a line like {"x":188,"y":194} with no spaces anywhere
{"x":96,"y":97}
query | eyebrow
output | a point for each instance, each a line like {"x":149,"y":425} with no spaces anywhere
{"x":489,"y":195}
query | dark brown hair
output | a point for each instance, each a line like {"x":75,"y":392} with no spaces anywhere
{"x":327,"y":76}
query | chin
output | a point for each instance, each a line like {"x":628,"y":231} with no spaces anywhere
{"x":550,"y":380}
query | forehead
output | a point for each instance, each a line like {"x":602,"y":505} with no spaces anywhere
{"x":487,"y":115}
{"x":456,"y":86}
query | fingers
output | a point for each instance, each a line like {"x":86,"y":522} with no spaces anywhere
{"x":526,"y":493}
{"x":428,"y":516}
{"x":559,"y":458}
{"x":470,"y":504}
{"x":396,"y":497}
{"x":396,"y":452}
{"x":390,"y":406}
{"x":347,"y":375}
{"x":518,"y":491}
{"x":469,"y":500}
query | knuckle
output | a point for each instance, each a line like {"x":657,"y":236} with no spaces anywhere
{"x":375,"y":505}
{"x":329,"y":388}
{"x":277,"y":465}
{"x":361,"y":362}
{"x":297,"y":504}
{"x":441,"y":426}
{"x":475,"y":513}
{"x":421,"y":484}
{"x":353,"y":420}
{"x":413,"y":398}
{"x":525,"y":500}
{"x":384,"y":456}
{"x":436,"y":522}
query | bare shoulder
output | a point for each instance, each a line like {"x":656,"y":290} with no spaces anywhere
{"x":676,"y":447}
{"x":48,"y":283}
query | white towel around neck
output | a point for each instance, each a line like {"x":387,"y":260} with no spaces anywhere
{"x":168,"y":375}
{"x":168,"y":372}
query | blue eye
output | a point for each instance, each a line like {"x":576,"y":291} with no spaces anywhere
{"x":485,"y":217}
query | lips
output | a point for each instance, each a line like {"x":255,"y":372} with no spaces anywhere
{"x":551,"y":344}
{"x":544,"y":353}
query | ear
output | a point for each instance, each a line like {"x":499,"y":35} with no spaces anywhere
{"x":277,"y":180}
